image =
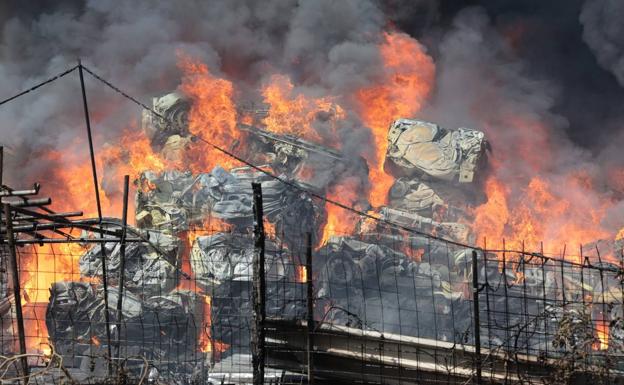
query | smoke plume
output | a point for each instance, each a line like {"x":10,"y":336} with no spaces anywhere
{"x":549,"y":113}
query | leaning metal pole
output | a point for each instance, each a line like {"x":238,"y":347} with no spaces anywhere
{"x":99,"y":209}
{"x":477,"y":326}
{"x":259,"y":287}
{"x":16,"y":287}
{"x":122,"y":264}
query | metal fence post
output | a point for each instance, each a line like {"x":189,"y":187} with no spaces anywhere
{"x":259,"y":287}
{"x":122,"y":264}
{"x":16,"y":287}
{"x":477,"y":326}
{"x":310,"y":303}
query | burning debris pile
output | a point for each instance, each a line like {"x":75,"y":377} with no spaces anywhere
{"x":159,"y":327}
{"x":190,"y":281}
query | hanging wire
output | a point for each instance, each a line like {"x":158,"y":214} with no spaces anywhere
{"x":43,"y":83}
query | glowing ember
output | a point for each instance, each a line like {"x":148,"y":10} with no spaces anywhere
{"x":408,"y":80}
{"x":269,"y":229}
{"x":602,"y":332}
{"x":302,"y":272}
{"x":209,"y":227}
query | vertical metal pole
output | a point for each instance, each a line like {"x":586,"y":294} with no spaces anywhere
{"x":1,"y":164}
{"x":259,"y":288}
{"x":99,"y":210}
{"x":310,"y":303}
{"x":122,"y":263}
{"x":477,"y":331}
{"x":16,"y":287}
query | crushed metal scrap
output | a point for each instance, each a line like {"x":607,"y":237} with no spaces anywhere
{"x":381,"y":280}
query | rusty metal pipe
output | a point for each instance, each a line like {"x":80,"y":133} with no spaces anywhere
{"x":75,"y":240}
{"x":17,"y":293}
{"x":69,"y":214}
{"x":28,"y":202}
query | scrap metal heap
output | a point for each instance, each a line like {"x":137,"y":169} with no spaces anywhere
{"x":380,"y":278}
{"x":76,"y":320}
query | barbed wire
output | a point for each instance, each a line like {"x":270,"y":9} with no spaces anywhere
{"x":288,"y":182}
{"x":43,"y":83}
{"x":270,"y":174}
{"x":331,"y":201}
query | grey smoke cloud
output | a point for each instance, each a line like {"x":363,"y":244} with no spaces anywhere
{"x":325,"y":46}
{"x":604,"y":33}
{"x":482,"y":84}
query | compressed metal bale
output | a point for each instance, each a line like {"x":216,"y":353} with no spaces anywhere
{"x":151,"y":267}
{"x":160,"y":327}
{"x":425,"y":148}
{"x":221,"y":257}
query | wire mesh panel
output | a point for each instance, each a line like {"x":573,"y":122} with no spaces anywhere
{"x":562,"y":314}
{"x":200,"y":295}
{"x":387,"y":307}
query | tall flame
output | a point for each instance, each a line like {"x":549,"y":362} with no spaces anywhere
{"x":541,"y":211}
{"x":212,"y":116}
{"x":295,"y":113}
{"x":407,"y":81}
{"x":339,"y":221}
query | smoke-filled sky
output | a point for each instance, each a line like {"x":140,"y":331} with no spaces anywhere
{"x":576,"y":46}
{"x":537,"y":76}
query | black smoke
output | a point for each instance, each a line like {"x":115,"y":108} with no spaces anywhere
{"x":558,"y":61}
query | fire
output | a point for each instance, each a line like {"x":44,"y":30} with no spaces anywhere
{"x":45,"y":264}
{"x":212,"y":117}
{"x":528,"y":202}
{"x":40,"y":267}
{"x":204,"y":337}
{"x":209,"y":227}
{"x":340,"y":221}
{"x":295,"y":114}
{"x":75,"y":180}
{"x":302,"y":274}
{"x":48,"y":264}
{"x":602,"y":332}
{"x":541,"y":211}
{"x":206,"y":344}
{"x":46,"y":351}
{"x":414,"y":254}
{"x":407,"y":81}
{"x":132,"y":155}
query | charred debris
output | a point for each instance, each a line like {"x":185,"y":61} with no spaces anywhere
{"x":171,"y":300}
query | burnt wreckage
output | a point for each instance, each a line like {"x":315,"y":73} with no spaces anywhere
{"x":380,"y":279}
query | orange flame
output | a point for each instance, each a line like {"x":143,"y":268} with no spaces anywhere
{"x":302,"y":274}
{"x":295,"y":114}
{"x":204,"y":336}
{"x":602,"y":332}
{"x":557,"y":215}
{"x":340,"y":221}
{"x":212,"y":116}
{"x":408,"y":80}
